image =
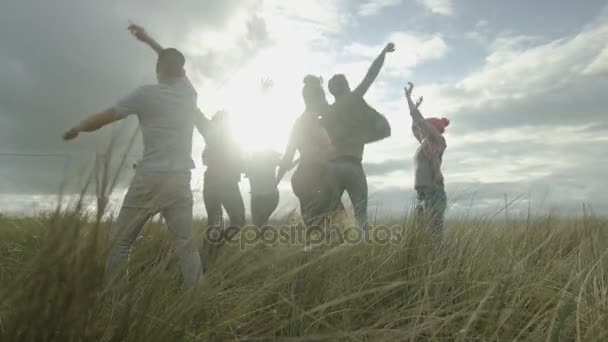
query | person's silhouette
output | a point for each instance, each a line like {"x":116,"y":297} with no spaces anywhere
{"x":351,"y":124}
{"x":429,"y":181}
{"x":224,"y":161}
{"x":311,"y":180}
{"x":261,"y":170}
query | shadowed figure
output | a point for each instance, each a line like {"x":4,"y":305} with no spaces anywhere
{"x":311,"y":180}
{"x":429,"y":181}
{"x":352,"y":123}
{"x":167,"y":113}
{"x":224,"y":161}
{"x":261,"y":169}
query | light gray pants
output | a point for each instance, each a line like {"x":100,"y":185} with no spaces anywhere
{"x":349,"y":176}
{"x":169,"y":194}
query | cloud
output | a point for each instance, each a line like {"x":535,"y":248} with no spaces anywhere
{"x":529,"y":120}
{"x":412,"y":49}
{"x":441,"y":7}
{"x":526,"y":81}
{"x":480,"y":33}
{"x":373,"y":7}
{"x":475,"y":199}
{"x":385,"y":167}
{"x":75,"y":58}
{"x":62,"y":67}
{"x":548,"y":168}
{"x":320,"y":16}
{"x":599,"y":64}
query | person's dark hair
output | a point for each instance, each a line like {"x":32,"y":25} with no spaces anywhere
{"x":171,"y":63}
{"x":337,"y":84}
{"x":313,"y":88}
{"x":312,"y":80}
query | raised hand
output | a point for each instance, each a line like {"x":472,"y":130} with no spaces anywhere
{"x":139,"y":33}
{"x":390,"y":47}
{"x":144,"y":37}
{"x":266,"y":85}
{"x":409,"y":89}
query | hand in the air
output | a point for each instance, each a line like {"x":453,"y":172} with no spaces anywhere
{"x":409,"y":89}
{"x":266,"y":85}
{"x":390,"y":47}
{"x":139,"y":32}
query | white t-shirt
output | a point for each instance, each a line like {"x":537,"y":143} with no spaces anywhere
{"x":166,"y":114}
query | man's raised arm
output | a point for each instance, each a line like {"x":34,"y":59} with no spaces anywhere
{"x":144,"y":37}
{"x":373,"y":71}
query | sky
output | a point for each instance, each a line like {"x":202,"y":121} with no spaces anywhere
{"x":523,"y":83}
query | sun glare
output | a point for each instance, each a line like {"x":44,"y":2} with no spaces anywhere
{"x":262,"y":114}
{"x":263,"y":119}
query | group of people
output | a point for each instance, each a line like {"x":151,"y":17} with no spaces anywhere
{"x":330,"y":140}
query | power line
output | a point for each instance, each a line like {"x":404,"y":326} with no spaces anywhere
{"x":17,"y":154}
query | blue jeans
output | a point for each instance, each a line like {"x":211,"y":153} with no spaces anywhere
{"x":348,"y":175}
{"x":430,"y":210}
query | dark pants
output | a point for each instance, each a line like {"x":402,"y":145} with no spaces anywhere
{"x":348,"y":175}
{"x":430,"y":210}
{"x":310,"y":183}
{"x":262,"y":207}
{"x":218,"y":194}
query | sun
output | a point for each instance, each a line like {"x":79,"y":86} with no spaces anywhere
{"x":256,"y":123}
{"x":261,"y":118}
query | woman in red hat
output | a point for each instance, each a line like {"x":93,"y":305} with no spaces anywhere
{"x":429,"y":182}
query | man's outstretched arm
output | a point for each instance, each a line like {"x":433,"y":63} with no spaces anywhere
{"x":373,"y":71}
{"x":144,"y":37}
{"x":130,"y":104}
{"x":91,"y":124}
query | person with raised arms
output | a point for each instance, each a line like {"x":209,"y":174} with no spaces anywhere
{"x":167,"y":114}
{"x":429,"y":181}
{"x":351,"y":124}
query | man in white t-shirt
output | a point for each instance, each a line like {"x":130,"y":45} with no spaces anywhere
{"x":167,"y":114}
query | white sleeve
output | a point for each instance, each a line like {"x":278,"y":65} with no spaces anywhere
{"x":130,"y":104}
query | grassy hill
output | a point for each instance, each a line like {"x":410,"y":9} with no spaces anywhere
{"x":540,"y":279}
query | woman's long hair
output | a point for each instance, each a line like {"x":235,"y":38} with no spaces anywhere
{"x":313,"y":93}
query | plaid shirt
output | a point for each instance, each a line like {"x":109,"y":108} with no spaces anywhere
{"x":433,"y":150}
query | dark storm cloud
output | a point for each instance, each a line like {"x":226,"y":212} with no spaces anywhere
{"x":62,"y":60}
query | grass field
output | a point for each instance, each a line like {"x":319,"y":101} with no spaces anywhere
{"x":536,"y":279}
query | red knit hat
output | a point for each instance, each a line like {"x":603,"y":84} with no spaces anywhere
{"x":440,"y":124}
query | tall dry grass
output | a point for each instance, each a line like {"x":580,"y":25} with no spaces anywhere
{"x":537,"y":279}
